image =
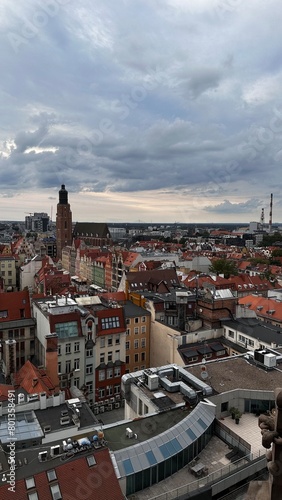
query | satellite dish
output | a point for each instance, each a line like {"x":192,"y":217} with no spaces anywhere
{"x":204,"y":375}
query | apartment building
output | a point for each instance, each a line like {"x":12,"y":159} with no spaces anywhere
{"x":110,"y":354}
{"x":17,"y":331}
{"x":74,"y":327}
{"x":8,"y":272}
{"x":138,"y":327}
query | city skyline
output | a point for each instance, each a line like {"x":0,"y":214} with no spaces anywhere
{"x":166,"y":111}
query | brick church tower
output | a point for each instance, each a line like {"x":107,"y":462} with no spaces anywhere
{"x":63,"y":222}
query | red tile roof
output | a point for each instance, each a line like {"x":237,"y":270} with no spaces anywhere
{"x":14,"y":303}
{"x":76,"y":480}
{"x":263,"y":306}
{"x":4,"y":389}
{"x":33,"y":380}
{"x":110,"y":313}
{"x":116,"y":296}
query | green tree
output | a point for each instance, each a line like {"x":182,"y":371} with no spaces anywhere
{"x":225,"y":267}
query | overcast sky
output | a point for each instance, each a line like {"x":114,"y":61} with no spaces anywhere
{"x":147,"y":110}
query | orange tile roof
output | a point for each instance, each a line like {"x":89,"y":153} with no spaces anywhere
{"x":263,"y":306}
{"x":33,"y":380}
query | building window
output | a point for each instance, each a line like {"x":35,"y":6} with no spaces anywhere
{"x":51,"y":474}
{"x":224,"y":406}
{"x":127,"y":345}
{"x":136,"y":320}
{"x":136,"y":330}
{"x":117,"y":371}
{"x":110,"y":356}
{"x":56,"y":492}
{"x":89,"y":369}
{"x":117,"y":355}
{"x":231,"y":334}
{"x":101,"y":393}
{"x":30,"y":483}
{"x":59,"y":367}
{"x":143,"y":329}
{"x":110,"y":341}
{"x":33,"y":496}
{"x":143,"y":356}
{"x":110,"y":373}
{"x":128,"y":321}
{"x":102,"y":341}
{"x":136,"y":344}
{"x":91,"y":460}
{"x":76,"y":382}
{"x":89,"y":387}
{"x":76,"y":346}
{"x":143,"y":342}
{"x":68,"y":366}
{"x":76,"y":364}
{"x":59,"y":349}
{"x":127,"y":360}
{"x":102,"y":357}
{"x":117,"y":389}
{"x":109,"y":390}
{"x":68,"y":348}
{"x":136,"y":358}
{"x":101,"y":375}
{"x":127,"y":332}
{"x":108,"y":323}
{"x":143,"y":319}
{"x":117,"y":339}
{"x":89,"y":353}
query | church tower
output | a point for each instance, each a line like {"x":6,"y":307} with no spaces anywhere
{"x":63,"y":222}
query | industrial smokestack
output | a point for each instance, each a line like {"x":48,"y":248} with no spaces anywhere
{"x":262,"y":219}
{"x":270,"y":212}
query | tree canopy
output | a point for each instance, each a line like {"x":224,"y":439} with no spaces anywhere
{"x":225,"y":267}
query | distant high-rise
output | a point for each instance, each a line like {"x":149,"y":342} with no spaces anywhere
{"x":63,"y":222}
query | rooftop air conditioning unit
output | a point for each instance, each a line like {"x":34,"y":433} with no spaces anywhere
{"x":129,"y":433}
{"x":65,"y":420}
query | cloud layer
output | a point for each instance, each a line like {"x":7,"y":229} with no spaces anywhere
{"x":142,"y":104}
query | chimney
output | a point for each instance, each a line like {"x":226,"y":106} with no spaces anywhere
{"x":52,"y":359}
{"x":270,"y":212}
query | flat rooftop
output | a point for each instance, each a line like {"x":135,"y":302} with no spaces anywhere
{"x":145,"y":428}
{"x":213,"y":457}
{"x":52,"y":416}
{"x":237,"y":373}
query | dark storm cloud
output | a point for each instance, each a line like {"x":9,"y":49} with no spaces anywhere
{"x":126,"y":96}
